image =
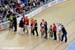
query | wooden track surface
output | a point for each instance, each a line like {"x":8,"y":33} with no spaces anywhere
{"x":61,"y":13}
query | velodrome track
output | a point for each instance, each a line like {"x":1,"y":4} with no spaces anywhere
{"x":61,"y":13}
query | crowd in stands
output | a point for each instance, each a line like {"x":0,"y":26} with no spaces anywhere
{"x":18,"y":7}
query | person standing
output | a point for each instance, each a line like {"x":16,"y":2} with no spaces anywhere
{"x":15,"y":23}
{"x":51,"y":31}
{"x":32,"y":26}
{"x":59,"y":31}
{"x":26,"y":24}
{"x":64,"y":34}
{"x":36,"y":27}
{"x":45,"y":29}
{"x":11,"y":21}
{"x":55,"y":31}
{"x":21,"y":24}
{"x":42,"y":26}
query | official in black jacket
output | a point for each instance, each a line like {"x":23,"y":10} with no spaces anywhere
{"x":36,"y":27}
{"x":15,"y":23}
{"x":64,"y":34}
{"x":45,"y":29}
